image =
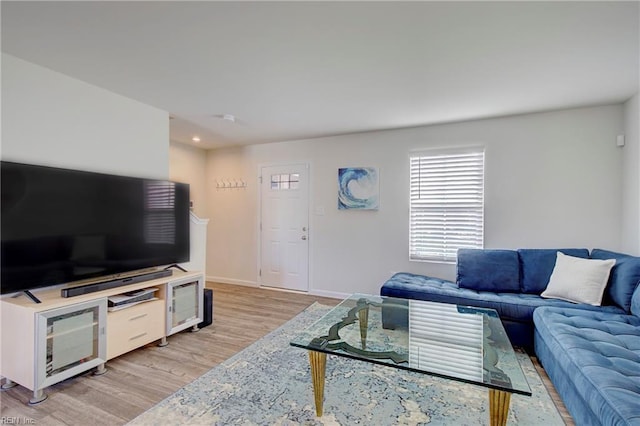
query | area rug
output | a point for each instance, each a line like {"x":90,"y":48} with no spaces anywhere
{"x":269,"y":383}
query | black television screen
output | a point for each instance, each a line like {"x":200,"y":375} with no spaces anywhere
{"x":61,"y":226}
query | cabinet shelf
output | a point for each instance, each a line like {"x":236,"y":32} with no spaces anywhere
{"x":74,"y":330}
{"x":132,"y":298}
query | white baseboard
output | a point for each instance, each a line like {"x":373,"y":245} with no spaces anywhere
{"x":331,"y":294}
{"x":286,"y":290}
{"x":225,"y":280}
{"x":313,"y":292}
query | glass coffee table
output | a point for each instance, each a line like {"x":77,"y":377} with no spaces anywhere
{"x":456,"y":342}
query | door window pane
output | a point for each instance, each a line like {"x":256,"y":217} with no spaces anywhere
{"x":285,"y":181}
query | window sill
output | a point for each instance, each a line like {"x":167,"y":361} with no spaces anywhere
{"x":441,"y":262}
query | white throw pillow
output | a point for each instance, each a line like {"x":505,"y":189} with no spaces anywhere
{"x":579,"y":280}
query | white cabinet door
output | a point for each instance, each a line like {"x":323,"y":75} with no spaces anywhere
{"x":184,"y":304}
{"x":70,"y":340}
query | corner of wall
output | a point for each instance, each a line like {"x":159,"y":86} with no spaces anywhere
{"x":631,"y":177}
{"x":188,"y":164}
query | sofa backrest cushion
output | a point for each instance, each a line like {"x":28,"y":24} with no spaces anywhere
{"x":635,"y":302}
{"x":536,"y":266}
{"x":488,"y":270}
{"x":623,"y":280}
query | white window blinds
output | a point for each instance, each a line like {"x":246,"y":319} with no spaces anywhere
{"x":447,"y":203}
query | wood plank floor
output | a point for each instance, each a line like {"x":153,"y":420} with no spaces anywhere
{"x":139,"y":379}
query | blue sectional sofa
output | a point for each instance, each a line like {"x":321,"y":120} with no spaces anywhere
{"x":593,"y":360}
{"x":591,"y":353}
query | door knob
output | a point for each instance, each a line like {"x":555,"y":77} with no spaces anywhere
{"x":304,"y":237}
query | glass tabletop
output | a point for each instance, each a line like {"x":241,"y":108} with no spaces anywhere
{"x":457,"y":342}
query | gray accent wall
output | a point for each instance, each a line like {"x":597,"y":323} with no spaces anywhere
{"x":51,"y":119}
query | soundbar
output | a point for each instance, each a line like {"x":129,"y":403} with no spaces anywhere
{"x":106,"y":285}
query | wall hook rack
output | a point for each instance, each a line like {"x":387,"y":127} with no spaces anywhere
{"x":230,"y":183}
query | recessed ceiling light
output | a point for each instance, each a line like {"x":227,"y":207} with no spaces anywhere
{"x":195,"y":139}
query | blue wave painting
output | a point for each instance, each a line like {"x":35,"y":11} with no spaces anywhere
{"x":358,"y":188}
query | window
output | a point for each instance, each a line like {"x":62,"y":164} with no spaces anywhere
{"x":447,"y":203}
{"x":285,"y":181}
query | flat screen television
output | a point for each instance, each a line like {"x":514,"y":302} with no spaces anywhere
{"x":62,"y":226}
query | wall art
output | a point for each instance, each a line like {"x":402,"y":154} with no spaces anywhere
{"x":358,"y":188}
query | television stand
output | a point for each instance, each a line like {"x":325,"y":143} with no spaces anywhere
{"x":36,"y":351}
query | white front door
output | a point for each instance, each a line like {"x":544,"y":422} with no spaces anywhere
{"x":284,"y":236}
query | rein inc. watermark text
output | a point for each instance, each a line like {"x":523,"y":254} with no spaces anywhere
{"x":15,"y":420}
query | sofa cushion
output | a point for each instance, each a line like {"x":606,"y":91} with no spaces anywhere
{"x":579,"y":280}
{"x":635,"y":302}
{"x":510,"y":306}
{"x":536,"y":266}
{"x":624,"y":278}
{"x":600,"y":354}
{"x":488,"y":270}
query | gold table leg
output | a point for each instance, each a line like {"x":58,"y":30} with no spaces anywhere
{"x":363,"y":317}
{"x":318,"y":361}
{"x":498,"y":407}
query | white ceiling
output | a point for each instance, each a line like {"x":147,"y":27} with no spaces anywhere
{"x":297,"y":70}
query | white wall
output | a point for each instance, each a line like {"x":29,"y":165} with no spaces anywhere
{"x":631,"y":180}
{"x":188,"y":164}
{"x":552,"y":180}
{"x":51,"y":119}
{"x":232,"y":213}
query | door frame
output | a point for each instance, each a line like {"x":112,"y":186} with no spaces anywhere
{"x":259,"y":178}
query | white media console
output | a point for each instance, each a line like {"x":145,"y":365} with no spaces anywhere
{"x":45,"y":343}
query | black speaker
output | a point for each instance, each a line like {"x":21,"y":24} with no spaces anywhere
{"x":207,"y":309}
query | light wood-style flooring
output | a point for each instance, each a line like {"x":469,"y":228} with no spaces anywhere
{"x":138,"y":380}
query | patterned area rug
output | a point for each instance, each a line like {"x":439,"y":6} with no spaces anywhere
{"x":269,"y":383}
